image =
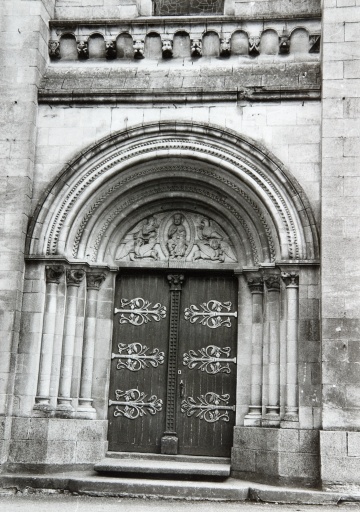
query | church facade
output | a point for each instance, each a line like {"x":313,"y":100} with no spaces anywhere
{"x":180,"y":249}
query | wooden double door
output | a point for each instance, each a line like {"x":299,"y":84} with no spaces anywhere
{"x":173,"y":369}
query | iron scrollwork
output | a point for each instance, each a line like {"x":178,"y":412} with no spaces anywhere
{"x":134,"y":405}
{"x":208,"y":407}
{"x":211,"y":314}
{"x":139,"y":311}
{"x":209,"y":360}
{"x":134,"y":357}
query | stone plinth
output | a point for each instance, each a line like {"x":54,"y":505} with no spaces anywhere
{"x":340,"y":459}
{"x":57,"y":442}
{"x":273,"y":454}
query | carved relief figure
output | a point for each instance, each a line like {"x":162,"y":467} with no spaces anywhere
{"x":211,"y":244}
{"x":141,"y":243}
{"x":177,"y":237}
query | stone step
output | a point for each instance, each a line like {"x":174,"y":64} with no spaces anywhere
{"x":160,"y":456}
{"x":164,"y":465}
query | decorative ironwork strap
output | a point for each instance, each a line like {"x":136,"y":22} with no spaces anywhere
{"x":211,"y":314}
{"x":134,"y":405}
{"x":208,"y":407}
{"x":209,"y":360}
{"x":139,"y":311}
{"x":134,"y":357}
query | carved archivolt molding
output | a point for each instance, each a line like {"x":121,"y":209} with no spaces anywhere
{"x":249,"y":181}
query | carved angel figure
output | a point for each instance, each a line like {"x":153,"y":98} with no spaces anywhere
{"x":211,"y":244}
{"x":141,"y":243}
{"x":177,"y":237}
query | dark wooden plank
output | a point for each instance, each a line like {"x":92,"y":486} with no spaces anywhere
{"x":142,"y":434}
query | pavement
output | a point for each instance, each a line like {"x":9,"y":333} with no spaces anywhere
{"x":16,"y":488}
{"x":40,"y":502}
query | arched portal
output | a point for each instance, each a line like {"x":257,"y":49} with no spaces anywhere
{"x":200,"y":234}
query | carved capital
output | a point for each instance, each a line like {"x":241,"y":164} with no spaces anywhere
{"x":291,"y":279}
{"x":139,"y":49}
{"x":82,"y":49}
{"x":54,"y":49}
{"x":74,"y":277}
{"x":54,"y":273}
{"x":175,"y":281}
{"x":167,"y":49}
{"x":110,"y":49}
{"x":272,"y":282}
{"x":255,"y":283}
{"x":94,"y":280}
{"x":314,"y":41}
{"x":225,"y":47}
{"x":196,"y":48}
{"x":284,"y":44}
{"x":254,"y":46}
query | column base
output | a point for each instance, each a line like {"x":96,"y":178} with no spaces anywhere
{"x":271,"y":419}
{"x":64,"y":409}
{"x":85,"y":410}
{"x":169,"y":444}
{"x":253,"y":418}
{"x":43,"y":408}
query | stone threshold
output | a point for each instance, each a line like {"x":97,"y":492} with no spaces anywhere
{"x":92,"y":484}
{"x":174,"y":465}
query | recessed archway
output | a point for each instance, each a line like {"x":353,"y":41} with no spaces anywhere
{"x":115,"y":183}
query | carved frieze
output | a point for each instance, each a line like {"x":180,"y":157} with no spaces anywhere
{"x":196,"y":48}
{"x":54,"y":49}
{"x":225,"y":47}
{"x":167,"y":49}
{"x":139,"y":49}
{"x":110,"y":49}
{"x":83,"y":50}
{"x":254,"y":46}
{"x":176,"y":236}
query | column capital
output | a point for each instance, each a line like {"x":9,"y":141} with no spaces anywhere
{"x":255,"y":282}
{"x":54,"y":273}
{"x":74,"y":277}
{"x":94,"y":280}
{"x":291,"y":279}
{"x":272,"y":282}
{"x":175,"y":281}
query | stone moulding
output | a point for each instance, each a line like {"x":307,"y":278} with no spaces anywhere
{"x":263,"y":206}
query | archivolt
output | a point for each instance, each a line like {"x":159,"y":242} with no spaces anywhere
{"x":137,"y":169}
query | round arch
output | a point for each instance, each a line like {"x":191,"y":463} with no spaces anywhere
{"x":158,"y":168}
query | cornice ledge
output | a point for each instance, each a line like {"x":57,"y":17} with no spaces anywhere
{"x":88,"y":96}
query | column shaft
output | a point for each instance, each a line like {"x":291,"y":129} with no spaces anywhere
{"x":85,"y":409}
{"x":292,"y":300}
{"x":42,"y":401}
{"x":253,"y":418}
{"x":74,"y":278}
{"x":272,"y":417}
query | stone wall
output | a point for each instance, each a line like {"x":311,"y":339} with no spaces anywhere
{"x":340,"y":242}
{"x":24,"y":54}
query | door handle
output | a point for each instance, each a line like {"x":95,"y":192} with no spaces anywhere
{"x":181,"y":389}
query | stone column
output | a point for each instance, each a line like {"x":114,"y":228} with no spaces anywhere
{"x":272,"y":416}
{"x":93,"y":283}
{"x":74,"y":278}
{"x":291,"y":280}
{"x":42,"y":400}
{"x":256,"y":285}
